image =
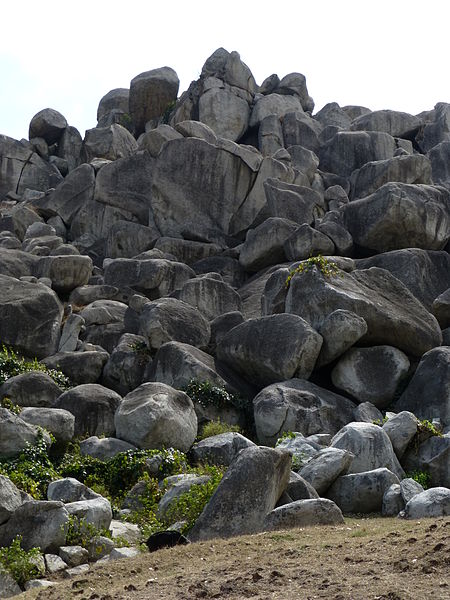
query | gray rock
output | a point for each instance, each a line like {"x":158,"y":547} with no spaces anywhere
{"x":153,"y":140}
{"x":70,"y":332}
{"x":211,"y":297}
{"x":196,"y":129}
{"x":104,"y":323}
{"x":150,"y":95}
{"x":30,"y":317}
{"x":370,"y":445}
{"x":54,"y":564}
{"x":368,"y":413}
{"x":397,"y":124}
{"x":93,"y":407}
{"x":431,"y":456}
{"x":8,"y":585}
{"x":300,"y":130}
{"x":111,"y":142}
{"x":253,"y":349}
{"x":371,"y":374}
{"x":264,"y":245}
{"x":400,"y":215}
{"x":298,"y":203}
{"x":224,"y":112}
{"x":350,"y":150}
{"x":295,"y":84}
{"x":428,"y":392}
{"x":40,"y":523}
{"x":126,"y":531}
{"x":221,"y":325}
{"x":409,"y":488}
{"x":414,"y":168}
{"x":69,"y":147}
{"x":60,"y":423}
{"x":10,"y":498}
{"x":99,"y":546}
{"x":248,"y":491}
{"x":175,"y":364}
{"x":68,"y":490}
{"x":74,"y":555}
{"x":104,"y":448}
{"x":392,"y":501}
{"x":96,"y":511}
{"x":441,"y":309}
{"x":393,"y":315}
{"x":187,"y":251}
{"x":339,"y":330}
{"x":79,"y":367}
{"x":118,"y":553}
{"x":39,"y":583}
{"x":298,"y":405}
{"x":155,"y":415}
{"x":304,"y":513}
{"x":439,"y":157}
{"x":434,"y":502}
{"x":299,"y":489}
{"x":125,"y":368}
{"x":401,"y":429}
{"x":15,"y":434}
{"x":438,"y":130}
{"x":66,"y":272}
{"x":76,"y":571}
{"x":326,"y":466}
{"x":270,"y":135}
{"x":362,"y":492}
{"x":34,"y":388}
{"x":48,"y":124}
{"x":333,"y":114}
{"x":126,"y":239}
{"x":306,"y":242}
{"x":219,"y":449}
{"x":273,"y":104}
{"x":117,"y":98}
{"x":175,"y":489}
{"x":86,"y":294}
{"x":169,"y":319}
{"x":229,"y":67}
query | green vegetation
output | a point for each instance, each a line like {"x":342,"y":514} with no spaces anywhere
{"x":11,"y":365}
{"x":20,"y":563}
{"x":207,"y":394}
{"x":168,"y":112}
{"x":421,"y":477}
{"x":15,"y":409}
{"x":286,"y":435}
{"x":426,"y":426}
{"x":326,"y":267}
{"x":216,"y":428}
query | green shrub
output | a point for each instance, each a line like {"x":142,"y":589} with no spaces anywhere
{"x":207,"y":394}
{"x":20,"y":563}
{"x":79,"y":532}
{"x":421,"y":477}
{"x":15,"y":409}
{"x":216,"y":428}
{"x":11,"y":365}
{"x":326,"y":267}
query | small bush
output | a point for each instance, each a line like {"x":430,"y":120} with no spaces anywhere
{"x":421,"y":477}
{"x":326,"y":267}
{"x":11,"y":365}
{"x":15,"y":409}
{"x":79,"y":532}
{"x":216,"y":428}
{"x":20,"y":563}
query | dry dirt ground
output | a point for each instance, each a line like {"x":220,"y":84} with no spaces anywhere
{"x":370,"y":559}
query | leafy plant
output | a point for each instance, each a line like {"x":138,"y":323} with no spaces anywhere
{"x":11,"y":406}
{"x":426,"y":426}
{"x":20,"y":563}
{"x":168,"y":111}
{"x":11,"y":365}
{"x":286,"y":435}
{"x":207,"y":394}
{"x":421,"y":477}
{"x":324,"y":266}
{"x":79,"y":532}
{"x":216,"y":428}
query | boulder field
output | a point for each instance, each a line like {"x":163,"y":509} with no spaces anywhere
{"x":231,"y":236}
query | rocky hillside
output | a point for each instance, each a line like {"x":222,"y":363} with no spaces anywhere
{"x":226,"y":255}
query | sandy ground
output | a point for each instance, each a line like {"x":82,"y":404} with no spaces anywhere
{"x":370,"y":559}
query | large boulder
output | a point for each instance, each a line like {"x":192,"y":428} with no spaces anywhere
{"x":401,"y":429}
{"x":264,"y":245}
{"x":66,"y":272}
{"x":362,"y":492}
{"x":15,"y":434}
{"x":397,"y":124}
{"x":30,"y":317}
{"x":125,"y":367}
{"x":224,"y":112}
{"x":434,"y":502}
{"x":219,"y":449}
{"x":80,"y":367}
{"x":271,"y":349}
{"x":212,"y":297}
{"x":304,"y":513}
{"x":371,"y":374}
{"x":298,"y":203}
{"x":93,"y":407}
{"x":60,"y":423}
{"x":48,"y":124}
{"x":248,"y":491}
{"x":104,"y":323}
{"x":428,"y":393}
{"x":299,"y":405}
{"x":111,"y":142}
{"x":326,"y":466}
{"x":34,"y":388}
{"x":116,"y":99}
{"x":370,"y":445}
{"x":393,"y":315}
{"x":432,"y":456}
{"x":155,"y":415}
{"x":150,"y":95}
{"x":400,"y":215}
{"x":10,"y":498}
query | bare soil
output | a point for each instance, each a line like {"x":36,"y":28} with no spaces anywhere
{"x":367,"y":559}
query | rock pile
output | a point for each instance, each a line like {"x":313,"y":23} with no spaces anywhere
{"x":230,"y":235}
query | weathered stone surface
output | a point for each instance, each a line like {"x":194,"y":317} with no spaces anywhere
{"x":86,"y":294}
{"x":155,"y":415}
{"x":396,"y":123}
{"x":248,"y":491}
{"x":79,"y":367}
{"x":399,"y":215}
{"x":433,"y":457}
{"x":48,"y":124}
{"x":368,"y":413}
{"x":428,"y":393}
{"x":30,"y":317}
{"x":305,"y":242}
{"x":393,"y":315}
{"x":226,"y":114}
{"x":298,"y":405}
{"x":274,"y":104}
{"x":264,"y":245}
{"x":362,"y":492}
{"x":196,"y":129}
{"x":371,"y":374}
{"x":414,"y":168}
{"x":40,"y":523}
{"x":339,"y":330}
{"x":69,"y":489}
{"x":299,"y":129}
{"x":93,"y":407}
{"x":69,"y":147}
{"x":434,"y":502}
{"x":74,"y":555}
{"x":8,"y":585}
{"x":153,"y":277}
{"x":304,"y":513}
{"x":174,"y":489}
{"x":111,"y":142}
{"x":150,"y":94}
{"x":15,"y":434}
{"x":401,"y":429}
{"x":219,"y":449}
{"x":301,"y":449}
{"x":96,"y":511}
{"x":125,"y":367}
{"x":71,"y":330}
{"x":66,"y":272}
{"x":211,"y":297}
{"x":425,"y":273}
{"x":34,"y":388}
{"x":441,"y":309}
{"x":126,"y":239}
{"x":350,"y":150}
{"x":104,"y":448}
{"x":370,"y":445}
{"x":392,"y":501}
{"x":153,"y":140}
{"x":60,"y":423}
{"x":326,"y":466}
{"x":299,"y":489}
{"x":270,"y":135}
{"x":438,"y":130}
{"x":117,"y":98}
{"x":297,"y":203}
{"x":409,"y":488}
{"x":10,"y":498}
{"x":295,"y":84}
{"x":439,"y":157}
{"x":253,"y":349}
{"x":104,"y":323}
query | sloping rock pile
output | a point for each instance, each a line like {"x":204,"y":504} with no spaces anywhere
{"x":231,"y":235}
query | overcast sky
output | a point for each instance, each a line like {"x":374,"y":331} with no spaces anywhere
{"x":67,"y":55}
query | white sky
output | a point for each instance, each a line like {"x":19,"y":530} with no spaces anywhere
{"x":66,"y":55}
